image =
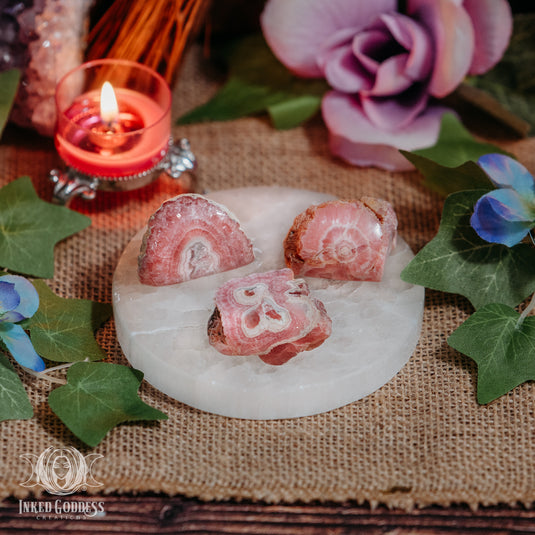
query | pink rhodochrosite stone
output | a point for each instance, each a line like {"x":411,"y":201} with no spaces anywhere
{"x":270,"y":314}
{"x":163,"y":330}
{"x":189,"y":237}
{"x":342,"y":240}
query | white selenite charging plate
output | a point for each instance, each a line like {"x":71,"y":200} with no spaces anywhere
{"x":162,"y":330}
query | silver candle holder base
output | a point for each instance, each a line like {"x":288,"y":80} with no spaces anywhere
{"x":177,"y":160}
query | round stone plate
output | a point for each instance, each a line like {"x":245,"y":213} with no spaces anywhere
{"x":162,"y":330}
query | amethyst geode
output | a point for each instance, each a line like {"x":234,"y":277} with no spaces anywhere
{"x":44,"y":39}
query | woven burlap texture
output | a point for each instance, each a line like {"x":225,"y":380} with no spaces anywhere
{"x":421,"y":439}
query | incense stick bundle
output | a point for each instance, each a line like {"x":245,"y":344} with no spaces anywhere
{"x":154,"y":33}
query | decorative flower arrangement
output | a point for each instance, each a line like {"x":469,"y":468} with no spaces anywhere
{"x":383,"y":73}
{"x":386,"y":68}
{"x":481,"y":253}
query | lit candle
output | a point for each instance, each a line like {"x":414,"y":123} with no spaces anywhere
{"x":118,"y":129}
{"x":109,"y":109}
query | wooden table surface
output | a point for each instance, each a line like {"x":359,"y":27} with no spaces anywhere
{"x":161,"y":515}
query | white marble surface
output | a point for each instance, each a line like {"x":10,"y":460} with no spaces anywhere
{"x":162,"y":330}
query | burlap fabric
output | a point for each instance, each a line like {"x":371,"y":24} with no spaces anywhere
{"x":421,"y":439}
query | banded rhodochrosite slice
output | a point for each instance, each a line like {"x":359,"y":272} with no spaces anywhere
{"x":342,"y":240}
{"x":189,"y":237}
{"x":270,"y":314}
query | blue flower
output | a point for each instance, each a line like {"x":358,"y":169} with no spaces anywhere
{"x":505,"y":215}
{"x":19,"y":300}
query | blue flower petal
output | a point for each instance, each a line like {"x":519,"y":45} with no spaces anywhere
{"x":29,"y":298}
{"x":12,"y":316}
{"x":9,"y":297}
{"x":509,"y":205}
{"x":490,"y":224}
{"x":506,"y":172}
{"x":20,"y":346}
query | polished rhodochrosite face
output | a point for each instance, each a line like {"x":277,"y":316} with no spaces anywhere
{"x":270,"y":314}
{"x":190,"y":237}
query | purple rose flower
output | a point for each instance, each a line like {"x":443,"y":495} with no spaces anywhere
{"x":19,"y":300}
{"x":385,"y":68}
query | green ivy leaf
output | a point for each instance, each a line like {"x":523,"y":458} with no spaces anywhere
{"x":257,"y":83}
{"x":446,"y":180}
{"x":449,"y":165}
{"x":458,"y":261}
{"x":62,"y":330}
{"x":293,"y":111}
{"x":30,"y":228}
{"x":9,"y":83}
{"x":99,"y":396}
{"x":512,"y":81}
{"x":455,"y":145}
{"x":14,"y":402}
{"x":501,"y":345}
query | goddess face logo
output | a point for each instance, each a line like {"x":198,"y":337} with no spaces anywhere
{"x":61,"y":471}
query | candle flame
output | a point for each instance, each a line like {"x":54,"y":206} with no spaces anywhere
{"x":109,"y":109}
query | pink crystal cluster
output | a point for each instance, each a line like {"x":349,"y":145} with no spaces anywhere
{"x":45,"y":39}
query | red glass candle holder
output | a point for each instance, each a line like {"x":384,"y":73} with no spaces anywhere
{"x":119,"y":150}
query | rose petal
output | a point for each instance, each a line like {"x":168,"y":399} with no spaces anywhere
{"x":493,"y":24}
{"x":414,"y":38}
{"x":295,"y":30}
{"x":391,"y":77}
{"x":391,"y":113}
{"x":19,"y":345}
{"x":358,"y":141}
{"x":339,"y":38}
{"x":506,"y":172}
{"x":343,"y":72}
{"x":29,"y":298}
{"x":453,"y":36}
{"x":373,"y":46}
{"x":501,"y":217}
